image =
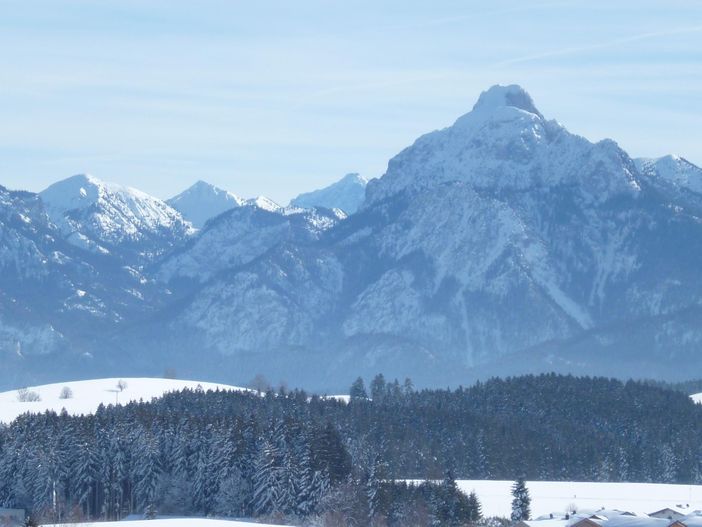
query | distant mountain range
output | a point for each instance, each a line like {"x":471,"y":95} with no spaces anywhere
{"x":502,"y":244}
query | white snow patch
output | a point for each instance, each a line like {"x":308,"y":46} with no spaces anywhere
{"x":556,"y":496}
{"x":88,"y":395}
{"x":172,"y":522}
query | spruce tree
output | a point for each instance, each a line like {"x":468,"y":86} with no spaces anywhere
{"x":521,"y":502}
{"x":378,"y":388}
{"x":475,"y":509}
{"x":358,"y":390}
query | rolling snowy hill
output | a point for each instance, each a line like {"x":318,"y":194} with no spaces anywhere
{"x":86,"y":396}
{"x":172,"y":522}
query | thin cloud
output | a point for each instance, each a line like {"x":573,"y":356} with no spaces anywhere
{"x":602,"y":45}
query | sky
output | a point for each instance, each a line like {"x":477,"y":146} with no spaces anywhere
{"x":281,"y":97}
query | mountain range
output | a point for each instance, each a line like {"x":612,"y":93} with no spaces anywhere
{"x":501,"y":244}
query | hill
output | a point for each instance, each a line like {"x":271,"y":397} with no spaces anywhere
{"x":86,"y":396}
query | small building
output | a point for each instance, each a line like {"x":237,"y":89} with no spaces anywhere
{"x":667,"y":514}
{"x":11,"y":517}
{"x":586,"y":522}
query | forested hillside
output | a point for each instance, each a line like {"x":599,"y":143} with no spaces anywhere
{"x":286,"y":454}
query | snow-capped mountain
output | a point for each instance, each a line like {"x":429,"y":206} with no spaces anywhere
{"x":202,"y":202}
{"x":500,"y":244}
{"x":674,"y":170}
{"x":346,"y":194}
{"x":495,"y":237}
{"x":106,"y":218}
{"x":56,"y":299}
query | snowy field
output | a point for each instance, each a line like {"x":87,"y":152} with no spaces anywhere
{"x":88,"y":395}
{"x":180,"y":522}
{"x":697,"y":397}
{"x":556,"y":496}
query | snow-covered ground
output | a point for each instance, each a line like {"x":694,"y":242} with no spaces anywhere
{"x":556,"y":496}
{"x":180,"y":522}
{"x":88,"y":395}
{"x":340,"y":398}
{"x":697,"y":397}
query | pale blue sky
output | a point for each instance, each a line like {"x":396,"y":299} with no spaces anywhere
{"x":278,"y":97}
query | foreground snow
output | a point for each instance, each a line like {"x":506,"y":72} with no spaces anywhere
{"x":180,"y":522}
{"x":88,"y":395}
{"x":556,"y":496}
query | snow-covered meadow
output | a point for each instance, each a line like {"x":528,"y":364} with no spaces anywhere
{"x":557,"y":496}
{"x":546,"y":497}
{"x":86,"y":396}
{"x":180,"y":522}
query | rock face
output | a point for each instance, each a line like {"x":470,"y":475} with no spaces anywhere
{"x":347,"y":194}
{"x":499,"y":245}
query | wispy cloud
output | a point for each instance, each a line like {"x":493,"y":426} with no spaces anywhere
{"x":601,"y":45}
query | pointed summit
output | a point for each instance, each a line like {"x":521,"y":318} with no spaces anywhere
{"x":500,"y":96}
{"x":505,"y":144}
{"x":203,"y":201}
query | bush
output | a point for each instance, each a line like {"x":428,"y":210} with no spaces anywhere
{"x":25,"y":395}
{"x":66,"y":393}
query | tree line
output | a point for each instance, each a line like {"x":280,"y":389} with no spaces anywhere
{"x":290,"y":456}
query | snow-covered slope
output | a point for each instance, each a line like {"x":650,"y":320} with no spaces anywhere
{"x":172,"y":522}
{"x":262,"y":202}
{"x":88,"y":395}
{"x":202,"y":202}
{"x":104,"y":217}
{"x":556,"y":496}
{"x":674,"y":170}
{"x":346,"y":194}
{"x":243,"y":234}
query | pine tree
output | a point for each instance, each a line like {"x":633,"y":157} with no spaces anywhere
{"x":148,"y":472}
{"x":373,"y":482}
{"x":378,"y":388}
{"x":304,"y":478}
{"x":332,"y":454}
{"x":521,"y":502}
{"x":358,"y":390}
{"x":448,"y":512}
{"x":265,"y":480}
{"x":475,"y":509}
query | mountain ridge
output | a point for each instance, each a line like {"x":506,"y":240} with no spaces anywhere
{"x":500,"y":243}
